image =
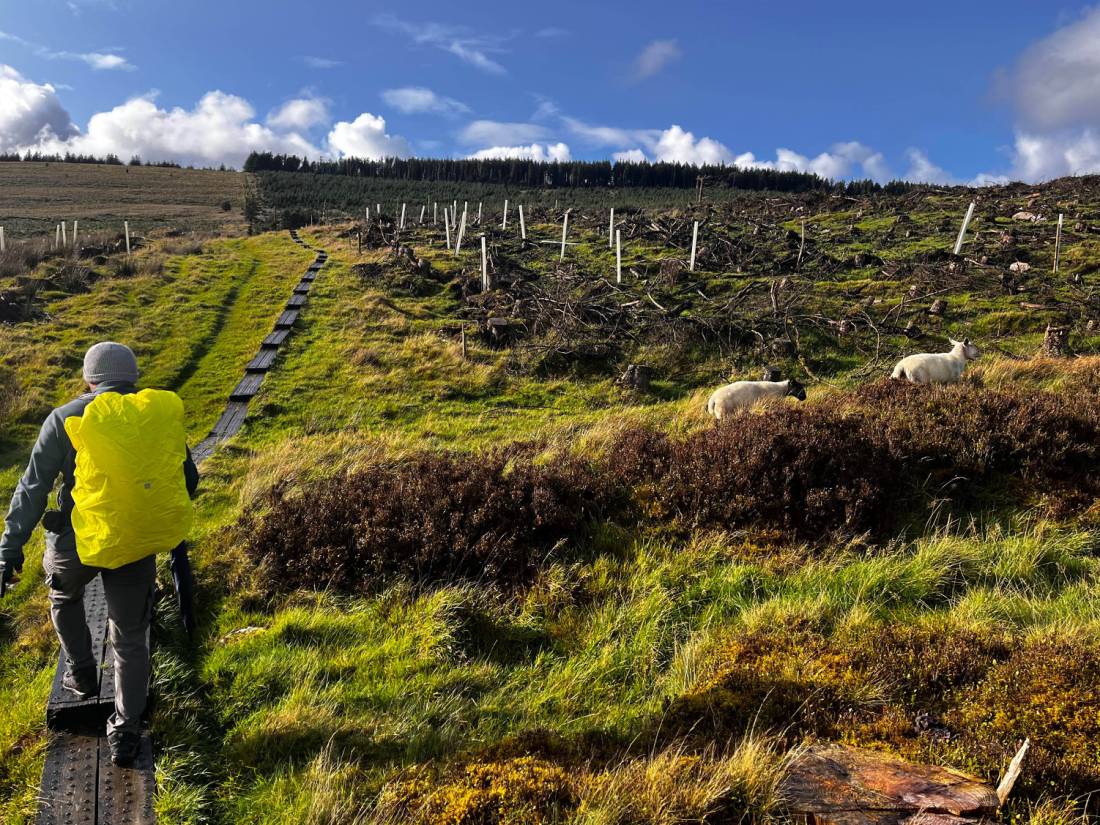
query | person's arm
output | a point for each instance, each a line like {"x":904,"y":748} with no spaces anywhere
{"x":33,"y":491}
{"x":190,"y":474}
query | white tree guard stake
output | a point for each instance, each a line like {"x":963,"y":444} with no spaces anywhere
{"x":74,"y":233}
{"x":522,"y":225}
{"x":618,"y":257}
{"x":454,"y":209}
{"x":402,"y":216}
{"x":611,"y":229}
{"x":2,"y":247}
{"x":1058,"y":242}
{"x":962,"y":231}
{"x":64,"y":235}
{"x":57,"y":236}
{"x":125,"y":226}
{"x":479,"y":212}
{"x":504,"y":219}
{"x":461,"y":232}
{"x":694,"y":242}
{"x":564,"y":232}
{"x":435,"y":213}
{"x":484,"y":266}
{"x":447,"y":228}
{"x":422,"y":210}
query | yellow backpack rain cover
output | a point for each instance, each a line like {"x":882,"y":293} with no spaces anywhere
{"x":130,"y":495}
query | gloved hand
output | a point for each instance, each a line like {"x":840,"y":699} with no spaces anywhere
{"x":7,"y":575}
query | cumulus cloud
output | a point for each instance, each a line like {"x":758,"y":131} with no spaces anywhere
{"x":365,"y":137}
{"x":498,"y":133}
{"x":97,"y":60}
{"x":923,"y":170}
{"x":420,"y":100}
{"x":843,"y":160}
{"x":536,"y":151}
{"x":654,"y":57}
{"x":455,"y":40}
{"x":300,"y":114}
{"x":30,"y":113}
{"x":630,"y":156}
{"x":220,"y":129}
{"x":1054,"y":83}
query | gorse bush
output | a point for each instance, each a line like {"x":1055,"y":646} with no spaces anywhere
{"x":435,"y":517}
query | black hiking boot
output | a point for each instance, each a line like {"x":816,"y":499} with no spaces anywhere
{"x":84,"y":682}
{"x":124,"y":747}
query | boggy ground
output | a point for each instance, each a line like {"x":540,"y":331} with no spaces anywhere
{"x":653,"y":632}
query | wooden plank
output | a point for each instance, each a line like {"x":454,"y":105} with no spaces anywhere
{"x":287,"y":319}
{"x":276,"y":338}
{"x":125,"y":795}
{"x":263,"y":360}
{"x":67,"y":795}
{"x":248,"y":387}
{"x":303,"y":287}
{"x":296,"y":301}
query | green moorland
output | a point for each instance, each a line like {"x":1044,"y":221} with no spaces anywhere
{"x":503,"y":588}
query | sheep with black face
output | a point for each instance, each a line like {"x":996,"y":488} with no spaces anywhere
{"x":741,"y":394}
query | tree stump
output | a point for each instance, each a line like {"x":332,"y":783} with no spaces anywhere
{"x":840,"y":785}
{"x":772,"y":374}
{"x":939,"y":307}
{"x":1056,"y":342}
{"x":637,"y":377}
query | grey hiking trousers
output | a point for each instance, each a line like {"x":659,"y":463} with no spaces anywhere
{"x":129,"y":592}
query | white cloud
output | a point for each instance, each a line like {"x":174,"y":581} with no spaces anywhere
{"x":30,"y":113}
{"x":654,"y":57}
{"x":630,"y":156}
{"x":536,"y":151}
{"x":97,"y":60}
{"x":678,"y":146}
{"x":300,"y":114}
{"x":497,"y":133}
{"x":454,"y":40}
{"x":420,"y":100}
{"x":923,"y":170}
{"x":1054,"y":84}
{"x":844,"y":160}
{"x":365,"y":137}
{"x":315,"y":62}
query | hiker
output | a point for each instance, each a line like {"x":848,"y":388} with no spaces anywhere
{"x":126,"y":484}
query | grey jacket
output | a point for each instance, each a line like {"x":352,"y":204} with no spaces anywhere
{"x":54,"y":455}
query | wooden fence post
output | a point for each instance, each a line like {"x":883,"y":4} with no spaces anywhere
{"x":962,"y":231}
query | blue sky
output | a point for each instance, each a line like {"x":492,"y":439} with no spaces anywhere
{"x":942,"y":91}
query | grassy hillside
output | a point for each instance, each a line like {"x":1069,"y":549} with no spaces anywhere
{"x":34,"y":197}
{"x":503,"y":588}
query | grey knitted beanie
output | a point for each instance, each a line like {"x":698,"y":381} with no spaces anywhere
{"x":108,"y":361}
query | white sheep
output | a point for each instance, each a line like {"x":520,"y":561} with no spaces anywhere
{"x":725,"y":400}
{"x":937,"y":367}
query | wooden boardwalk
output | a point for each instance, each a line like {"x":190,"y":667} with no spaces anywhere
{"x":79,"y":784}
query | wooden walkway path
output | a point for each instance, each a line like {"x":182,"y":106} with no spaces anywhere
{"x":79,"y":785}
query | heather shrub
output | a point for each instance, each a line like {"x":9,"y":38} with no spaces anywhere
{"x":434,"y":517}
{"x":807,"y":471}
{"x":977,"y":432}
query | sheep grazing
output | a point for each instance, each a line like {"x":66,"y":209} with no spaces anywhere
{"x":937,"y":367}
{"x":741,"y":394}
